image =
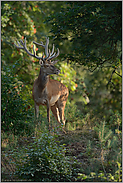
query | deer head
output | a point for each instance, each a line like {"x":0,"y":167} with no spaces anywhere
{"x":47,"y":66}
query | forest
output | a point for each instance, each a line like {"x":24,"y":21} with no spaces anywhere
{"x":89,"y":37}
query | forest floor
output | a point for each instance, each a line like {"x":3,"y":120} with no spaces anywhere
{"x":80,"y":144}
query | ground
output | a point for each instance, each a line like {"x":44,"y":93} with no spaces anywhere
{"x":78,"y":144}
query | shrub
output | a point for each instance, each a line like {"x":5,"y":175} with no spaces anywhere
{"x":44,"y":161}
{"x":13,"y":107}
{"x":102,"y":177}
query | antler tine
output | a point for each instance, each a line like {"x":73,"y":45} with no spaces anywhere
{"x":19,"y":47}
{"x":43,"y":59}
{"x":52,"y":50}
{"x":44,"y":46}
{"x":40,"y":44}
{"x":54,"y":55}
{"x":49,"y":56}
{"x":25,"y":48}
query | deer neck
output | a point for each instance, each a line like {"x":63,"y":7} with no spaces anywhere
{"x":43,"y":79}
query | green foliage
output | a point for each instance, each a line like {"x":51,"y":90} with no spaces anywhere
{"x":9,"y":140}
{"x":73,"y":115}
{"x":101,"y":177}
{"x":14,"y":108}
{"x":93,"y":30}
{"x":115,"y":119}
{"x":107,"y":168}
{"x":106,"y":139}
{"x":44,"y":160}
{"x":89,"y":35}
{"x":67,"y":76}
{"x":103,"y":98}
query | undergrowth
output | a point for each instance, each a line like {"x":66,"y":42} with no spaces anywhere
{"x":44,"y":161}
{"x":89,"y":151}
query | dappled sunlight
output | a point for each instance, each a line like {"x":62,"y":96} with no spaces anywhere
{"x":86,"y":37}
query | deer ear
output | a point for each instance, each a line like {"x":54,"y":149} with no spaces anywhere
{"x":54,"y":62}
{"x":40,"y":62}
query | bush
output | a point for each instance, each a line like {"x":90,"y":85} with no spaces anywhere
{"x":13,"y":107}
{"x":44,"y":160}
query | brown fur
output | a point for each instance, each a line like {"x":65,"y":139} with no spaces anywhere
{"x":52,"y":94}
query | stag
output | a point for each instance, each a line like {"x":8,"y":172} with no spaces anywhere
{"x":46,"y":91}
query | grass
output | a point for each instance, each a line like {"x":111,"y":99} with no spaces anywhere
{"x":89,"y":139}
{"x":84,"y":144}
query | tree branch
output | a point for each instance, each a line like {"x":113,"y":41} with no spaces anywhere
{"x":111,"y":78}
{"x":118,"y":74}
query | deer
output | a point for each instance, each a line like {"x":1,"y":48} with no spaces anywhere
{"x":48,"y":92}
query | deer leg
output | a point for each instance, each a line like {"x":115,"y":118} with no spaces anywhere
{"x":61,"y":113}
{"x":61,"y":106}
{"x":55,"y":112}
{"x":36,"y":110}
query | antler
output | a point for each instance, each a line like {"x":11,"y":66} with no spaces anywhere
{"x":25,"y":48}
{"x":49,"y":56}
